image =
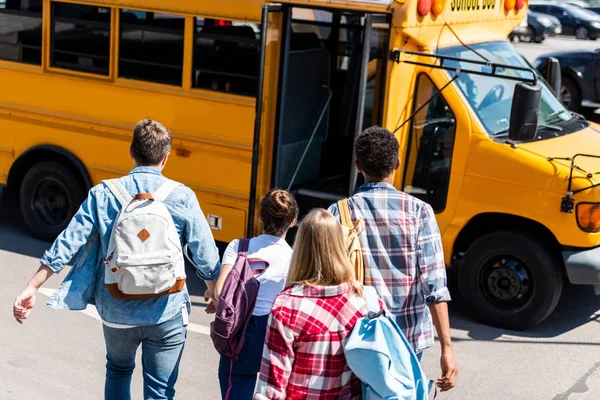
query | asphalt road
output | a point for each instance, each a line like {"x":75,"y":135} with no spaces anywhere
{"x":59,"y":355}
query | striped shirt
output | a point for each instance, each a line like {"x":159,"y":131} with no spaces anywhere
{"x":402,"y":249}
{"x":303,"y":357}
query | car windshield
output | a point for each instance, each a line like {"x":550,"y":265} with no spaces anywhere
{"x":491,"y":97}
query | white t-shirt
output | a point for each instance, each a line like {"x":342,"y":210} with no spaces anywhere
{"x":278,"y":254}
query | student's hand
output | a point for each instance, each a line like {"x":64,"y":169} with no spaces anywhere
{"x":211,"y":308}
{"x":209,"y":295}
{"x":24,"y":304}
{"x":449,"y":371}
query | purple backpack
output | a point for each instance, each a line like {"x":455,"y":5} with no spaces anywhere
{"x":236,"y":304}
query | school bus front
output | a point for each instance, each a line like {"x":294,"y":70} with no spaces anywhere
{"x":517,"y":214}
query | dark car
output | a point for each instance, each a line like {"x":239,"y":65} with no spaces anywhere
{"x":580,"y":72}
{"x":539,"y":27}
{"x":575,"y":21}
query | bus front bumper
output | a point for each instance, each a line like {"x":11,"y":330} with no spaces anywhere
{"x":583,"y":266}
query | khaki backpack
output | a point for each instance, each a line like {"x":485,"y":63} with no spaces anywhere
{"x":352,"y":233}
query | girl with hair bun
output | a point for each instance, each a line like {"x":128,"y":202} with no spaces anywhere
{"x":278,"y":212}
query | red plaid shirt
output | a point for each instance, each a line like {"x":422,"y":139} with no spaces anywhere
{"x":303,"y":356}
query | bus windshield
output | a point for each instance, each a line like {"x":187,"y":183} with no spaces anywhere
{"x":491,"y":96}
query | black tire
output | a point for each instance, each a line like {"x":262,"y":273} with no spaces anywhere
{"x":50,"y":195}
{"x":534,"y":281}
{"x":570,"y":94}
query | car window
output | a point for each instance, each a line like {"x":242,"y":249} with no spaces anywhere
{"x":555,"y":10}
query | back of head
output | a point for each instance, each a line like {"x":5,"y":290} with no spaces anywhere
{"x":377,"y":152}
{"x":151,"y":142}
{"x":320,"y":256}
{"x":277,"y":210}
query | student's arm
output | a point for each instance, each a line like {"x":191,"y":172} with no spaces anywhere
{"x":229,"y":259}
{"x":63,"y":249}
{"x":200,"y":241}
{"x":430,"y":256}
{"x":278,"y":358}
{"x":439,"y":313}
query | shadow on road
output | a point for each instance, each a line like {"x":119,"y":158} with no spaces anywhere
{"x":578,"y":306}
{"x":14,"y":234}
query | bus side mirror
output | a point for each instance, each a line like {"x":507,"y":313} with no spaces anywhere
{"x":553,"y":76}
{"x":524,"y":112}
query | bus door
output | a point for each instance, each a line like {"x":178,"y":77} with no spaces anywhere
{"x":330,"y":86}
{"x":436,"y":154}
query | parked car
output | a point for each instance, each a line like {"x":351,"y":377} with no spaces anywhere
{"x":580,"y":75}
{"x":520,"y":31}
{"x":539,"y":27}
{"x":576,"y":21}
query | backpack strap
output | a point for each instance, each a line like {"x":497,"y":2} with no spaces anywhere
{"x":345,"y":217}
{"x":243,"y":245}
{"x":165,"y":190}
{"x":119,"y":191}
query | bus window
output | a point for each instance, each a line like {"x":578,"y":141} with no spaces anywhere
{"x":80,"y":38}
{"x":430,"y":147}
{"x":21,"y":31}
{"x":151,"y":47}
{"x":226,"y":56}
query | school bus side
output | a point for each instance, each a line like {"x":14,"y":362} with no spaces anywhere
{"x":66,"y":127}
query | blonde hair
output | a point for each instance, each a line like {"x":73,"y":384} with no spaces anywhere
{"x":320,"y":256}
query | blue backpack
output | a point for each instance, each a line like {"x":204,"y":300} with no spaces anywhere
{"x":380,"y":356}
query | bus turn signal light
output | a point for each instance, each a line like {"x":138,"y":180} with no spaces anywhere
{"x":519,"y":4}
{"x":588,"y":217}
{"x":424,"y":7}
{"x":509,"y":4}
{"x":437,"y":7}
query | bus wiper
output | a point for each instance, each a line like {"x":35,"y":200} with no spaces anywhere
{"x":551,"y":127}
{"x":555,"y":114}
{"x":504,"y":132}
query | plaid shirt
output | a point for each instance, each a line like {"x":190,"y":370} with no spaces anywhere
{"x":402,"y":248}
{"x":303,"y":357}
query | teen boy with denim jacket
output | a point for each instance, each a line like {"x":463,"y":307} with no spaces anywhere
{"x":158,"y":324}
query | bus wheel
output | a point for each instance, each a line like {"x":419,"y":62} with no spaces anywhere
{"x":510,"y":280}
{"x":50,"y":195}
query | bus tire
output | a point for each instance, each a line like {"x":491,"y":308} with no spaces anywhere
{"x":50,"y":195}
{"x":510,"y":280}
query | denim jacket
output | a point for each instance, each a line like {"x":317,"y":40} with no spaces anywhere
{"x":89,"y":232}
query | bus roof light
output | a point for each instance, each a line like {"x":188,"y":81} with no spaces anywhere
{"x":519,"y":4}
{"x":424,"y":7}
{"x":438,"y":7}
{"x":509,"y":4}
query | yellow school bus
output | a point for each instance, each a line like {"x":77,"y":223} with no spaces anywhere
{"x":262,"y":95}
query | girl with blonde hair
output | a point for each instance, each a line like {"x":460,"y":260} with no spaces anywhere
{"x":312,"y":319}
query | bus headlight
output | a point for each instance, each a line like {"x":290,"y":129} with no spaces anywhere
{"x":509,"y":4}
{"x":588,"y":217}
{"x":519,"y":4}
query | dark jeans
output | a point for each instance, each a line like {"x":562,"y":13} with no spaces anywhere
{"x":244,"y":372}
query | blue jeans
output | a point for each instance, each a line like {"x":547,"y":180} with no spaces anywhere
{"x":245,"y":369}
{"x":162,"y":346}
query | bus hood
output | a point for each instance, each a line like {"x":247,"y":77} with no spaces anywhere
{"x":586,"y":141}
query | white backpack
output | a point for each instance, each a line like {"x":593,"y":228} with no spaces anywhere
{"x":144,"y":257}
